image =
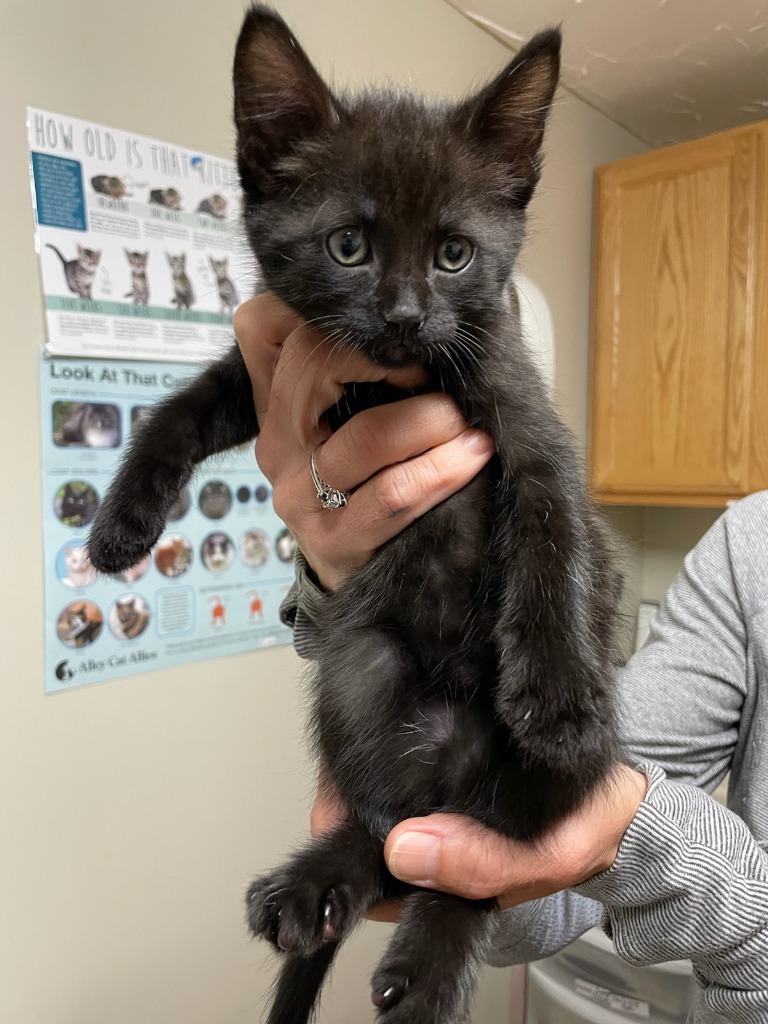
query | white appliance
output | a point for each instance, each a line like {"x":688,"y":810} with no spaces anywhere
{"x":587,"y":983}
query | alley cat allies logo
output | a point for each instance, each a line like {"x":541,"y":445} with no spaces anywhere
{"x":65,"y":671}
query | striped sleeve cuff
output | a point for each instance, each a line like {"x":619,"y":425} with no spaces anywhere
{"x":690,"y":882}
{"x":301,"y":609}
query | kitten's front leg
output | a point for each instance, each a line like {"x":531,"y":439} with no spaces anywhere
{"x":555,"y":638}
{"x":213,"y":413}
{"x":309,"y":905}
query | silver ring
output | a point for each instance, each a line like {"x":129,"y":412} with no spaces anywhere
{"x":331,"y":497}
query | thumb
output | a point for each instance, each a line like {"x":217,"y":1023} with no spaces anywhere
{"x":452,"y":853}
{"x":261,"y":326}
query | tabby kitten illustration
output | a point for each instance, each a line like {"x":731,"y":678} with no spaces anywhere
{"x":468,"y":666}
{"x":170,"y":198}
{"x":183,"y":292}
{"x":79,"y":273}
{"x":110,"y":185}
{"x":228,"y":298}
{"x":139,"y":292}
{"x":214,"y":206}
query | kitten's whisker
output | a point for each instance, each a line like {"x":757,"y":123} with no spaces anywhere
{"x":421,"y":746}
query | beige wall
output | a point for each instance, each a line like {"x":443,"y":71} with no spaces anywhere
{"x":134,"y":812}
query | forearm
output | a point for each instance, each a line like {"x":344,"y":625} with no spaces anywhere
{"x":539,"y":928}
{"x":690,"y":882}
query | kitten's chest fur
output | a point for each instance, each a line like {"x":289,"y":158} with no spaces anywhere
{"x":430,"y":580}
{"x":433,"y":593}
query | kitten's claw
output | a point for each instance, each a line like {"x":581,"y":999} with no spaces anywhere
{"x":389,"y":985}
{"x":334,"y":915}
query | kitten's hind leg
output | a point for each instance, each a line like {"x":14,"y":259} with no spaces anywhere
{"x":213,"y":413}
{"x":428,"y":972}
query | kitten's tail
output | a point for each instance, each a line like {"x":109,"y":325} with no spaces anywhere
{"x":49,"y":246}
{"x":299,"y":985}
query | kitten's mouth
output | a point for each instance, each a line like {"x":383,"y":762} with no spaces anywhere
{"x":398,"y":355}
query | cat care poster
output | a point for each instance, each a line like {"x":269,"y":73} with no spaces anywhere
{"x":140,"y":245}
{"x":214,"y":582}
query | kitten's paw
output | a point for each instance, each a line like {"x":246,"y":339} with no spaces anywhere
{"x":297,"y":916}
{"x":400,"y":999}
{"x":568,"y":740}
{"x":388,"y":985}
{"x":117,"y":543}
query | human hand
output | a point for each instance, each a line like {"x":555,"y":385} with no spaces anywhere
{"x":455,"y":854}
{"x":399,"y":459}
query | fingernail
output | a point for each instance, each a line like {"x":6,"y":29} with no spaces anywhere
{"x":477,"y":441}
{"x":415,"y":857}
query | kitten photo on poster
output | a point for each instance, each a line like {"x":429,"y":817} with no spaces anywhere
{"x":80,"y":272}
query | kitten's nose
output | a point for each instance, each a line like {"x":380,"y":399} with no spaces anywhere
{"x":407,"y":318}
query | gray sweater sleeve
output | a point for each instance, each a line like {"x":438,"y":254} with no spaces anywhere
{"x":690,"y":882}
{"x":300,"y":609}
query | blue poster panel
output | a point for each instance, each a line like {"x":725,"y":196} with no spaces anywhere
{"x":213,"y":584}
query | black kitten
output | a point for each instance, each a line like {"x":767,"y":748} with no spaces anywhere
{"x":468,"y":666}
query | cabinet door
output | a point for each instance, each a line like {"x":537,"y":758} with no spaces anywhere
{"x":674,"y":322}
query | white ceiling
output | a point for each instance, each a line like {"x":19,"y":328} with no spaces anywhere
{"x":666,"y":70}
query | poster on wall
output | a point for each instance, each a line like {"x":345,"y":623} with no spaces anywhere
{"x":140,"y":245}
{"x":214,"y":582}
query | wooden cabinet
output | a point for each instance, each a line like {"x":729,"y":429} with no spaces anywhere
{"x":680,"y":323}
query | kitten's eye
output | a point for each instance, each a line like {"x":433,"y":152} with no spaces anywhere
{"x":454,"y":254}
{"x":348,"y":246}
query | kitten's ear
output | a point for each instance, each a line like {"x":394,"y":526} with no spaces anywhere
{"x":279,"y":97}
{"x":508,"y":117}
